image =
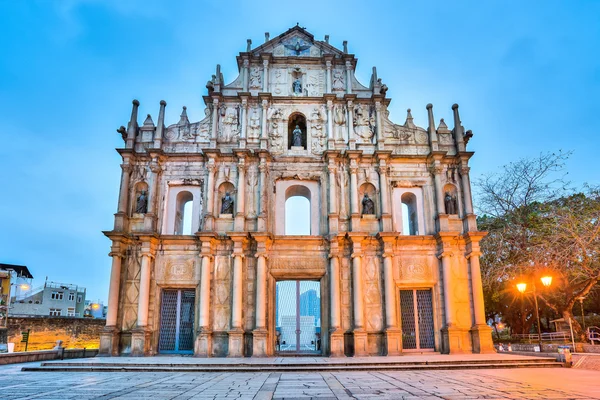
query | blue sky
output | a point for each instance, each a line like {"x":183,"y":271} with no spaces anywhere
{"x":525,"y":74}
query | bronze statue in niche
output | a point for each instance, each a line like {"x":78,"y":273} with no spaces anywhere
{"x":368,"y":207}
{"x":227,"y":204}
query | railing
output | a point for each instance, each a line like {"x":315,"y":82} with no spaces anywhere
{"x":593,"y":334}
{"x":547,"y":336}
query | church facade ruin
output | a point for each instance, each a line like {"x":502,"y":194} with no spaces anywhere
{"x":203,"y":258}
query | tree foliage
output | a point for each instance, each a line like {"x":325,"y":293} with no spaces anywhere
{"x":537,"y":225}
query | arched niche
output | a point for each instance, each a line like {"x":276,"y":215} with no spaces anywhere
{"x":451,"y":200}
{"x":370,"y":190}
{"x":297,"y":210}
{"x":137,"y":191}
{"x":296,"y":119}
{"x":184,"y":202}
{"x":285,"y":189}
{"x":224,"y":188}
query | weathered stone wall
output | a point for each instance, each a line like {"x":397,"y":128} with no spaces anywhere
{"x":45,"y":331}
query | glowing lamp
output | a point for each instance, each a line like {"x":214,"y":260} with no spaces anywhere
{"x":95,"y":306}
{"x":521,"y":287}
{"x":546,"y":280}
{"x":24,"y":286}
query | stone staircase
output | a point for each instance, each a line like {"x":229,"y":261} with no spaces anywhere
{"x":297,"y":365}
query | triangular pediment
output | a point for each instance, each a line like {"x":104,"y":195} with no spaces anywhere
{"x":296,"y":42}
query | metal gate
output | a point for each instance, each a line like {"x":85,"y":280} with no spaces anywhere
{"x":177,"y":321}
{"x":417,"y":319}
{"x":298,"y":317}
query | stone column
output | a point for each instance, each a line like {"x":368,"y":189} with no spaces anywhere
{"x":210,"y":195}
{"x":244,"y":118}
{"x":144,"y":293}
{"x":447,"y":276}
{"x":466,"y":189}
{"x":150,"y":218}
{"x":240,"y":217}
{"x":204,"y":317}
{"x":330,"y":132}
{"x":390,"y":292}
{"x":109,"y":337}
{"x":260,"y":332}
{"x":236,"y":345}
{"x":264,"y":129}
{"x":360,"y":335}
{"x":357,"y":281}
{"x":261,"y":292}
{"x":354,"y":207}
{"x":124,"y":191}
{"x":392,"y":333}
{"x":245,"y":65}
{"x":386,"y":215}
{"x":348,"y":77}
{"x":439,"y":190}
{"x":380,"y":141}
{"x":351,"y":138}
{"x":336,"y":338}
{"x":203,"y":346}
{"x":121,"y":216}
{"x":265,"y":87}
{"x":114,"y":289}
{"x":328,"y":76}
{"x":215,"y":123}
{"x":332,"y":189}
{"x":481,"y":333}
{"x":262,"y":196}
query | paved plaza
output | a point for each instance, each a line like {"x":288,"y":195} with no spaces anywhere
{"x":519,"y":383}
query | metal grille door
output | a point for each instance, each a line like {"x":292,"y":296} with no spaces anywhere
{"x":298,"y":317}
{"x":416,"y":310}
{"x":177,"y":321}
{"x":409,"y":329}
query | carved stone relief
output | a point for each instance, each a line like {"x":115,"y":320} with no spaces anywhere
{"x":222,"y":290}
{"x":372,"y":294}
{"x":276,"y":129}
{"x":364,"y":123}
{"x":318,"y":119}
{"x":414,"y":269}
{"x":254,"y":124}
{"x":229,"y":127}
{"x":339,"y":80}
{"x":255,"y":81}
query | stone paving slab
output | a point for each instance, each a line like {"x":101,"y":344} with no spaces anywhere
{"x":456,"y":384}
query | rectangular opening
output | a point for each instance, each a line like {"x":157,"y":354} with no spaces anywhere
{"x":177,"y":321}
{"x":298,"y":317}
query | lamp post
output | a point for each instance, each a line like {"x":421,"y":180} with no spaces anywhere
{"x":522,"y":287}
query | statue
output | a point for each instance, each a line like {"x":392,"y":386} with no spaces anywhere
{"x":338,"y":79}
{"x":363,"y":124}
{"x":227,"y":204}
{"x":368,"y":206}
{"x":450,"y":203}
{"x":255,"y":78}
{"x":142,"y":203}
{"x":297,"y":86}
{"x":297,"y":137}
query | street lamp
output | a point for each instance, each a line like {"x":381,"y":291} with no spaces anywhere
{"x":522,"y":287}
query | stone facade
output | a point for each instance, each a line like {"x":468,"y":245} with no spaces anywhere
{"x":390,"y":210}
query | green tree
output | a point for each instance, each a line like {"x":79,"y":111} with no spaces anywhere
{"x":537,"y":226}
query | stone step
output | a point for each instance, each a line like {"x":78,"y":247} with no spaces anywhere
{"x":117,"y":364}
{"x":331,"y":367}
